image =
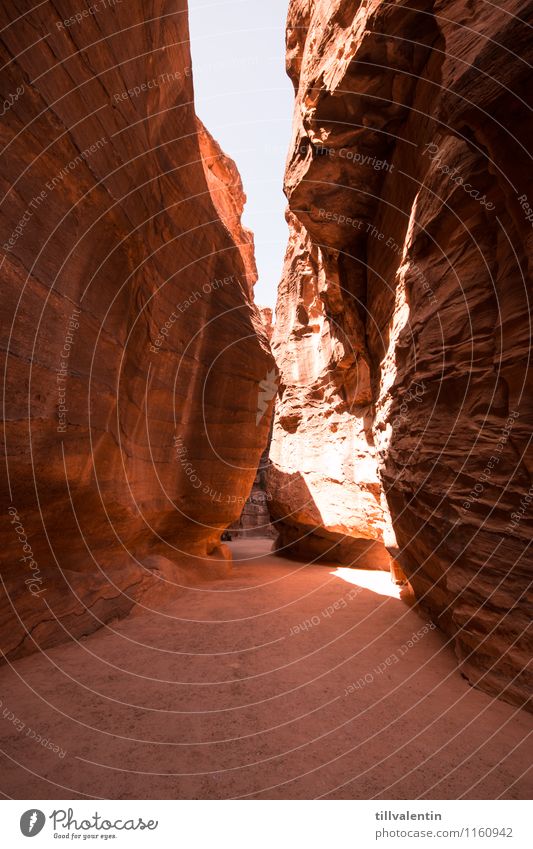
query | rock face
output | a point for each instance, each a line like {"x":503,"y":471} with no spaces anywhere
{"x":133,"y":354}
{"x":255,"y":520}
{"x":323,"y":480}
{"x":403,"y":321}
{"x":227,"y":193}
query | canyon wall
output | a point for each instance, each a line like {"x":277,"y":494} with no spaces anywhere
{"x":402,"y":334}
{"x":255,"y":520}
{"x":132,"y":351}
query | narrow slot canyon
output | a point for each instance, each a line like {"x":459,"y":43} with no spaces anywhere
{"x":258,"y":551}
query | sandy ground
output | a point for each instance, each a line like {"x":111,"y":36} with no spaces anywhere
{"x":225,"y":695}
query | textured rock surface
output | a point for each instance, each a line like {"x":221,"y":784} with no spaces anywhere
{"x":134,"y":353}
{"x":227,"y":193}
{"x":323,"y":479}
{"x":403,"y":321}
{"x":255,"y":520}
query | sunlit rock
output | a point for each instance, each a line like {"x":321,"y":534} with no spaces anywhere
{"x":403,"y":321}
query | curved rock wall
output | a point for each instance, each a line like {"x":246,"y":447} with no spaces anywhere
{"x":132,"y":351}
{"x":403,"y":317}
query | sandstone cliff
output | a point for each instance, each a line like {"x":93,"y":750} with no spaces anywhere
{"x":403,"y":318}
{"x":255,"y":518}
{"x":132,"y":351}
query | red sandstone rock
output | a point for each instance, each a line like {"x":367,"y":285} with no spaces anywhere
{"x":267,"y":319}
{"x":133,"y":352}
{"x":227,"y":193}
{"x":403,"y":319}
{"x":255,"y":518}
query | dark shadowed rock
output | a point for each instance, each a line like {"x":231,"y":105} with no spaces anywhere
{"x":403,"y":320}
{"x":132,"y":351}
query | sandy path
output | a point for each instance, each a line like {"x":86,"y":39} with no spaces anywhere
{"x":222,"y":697}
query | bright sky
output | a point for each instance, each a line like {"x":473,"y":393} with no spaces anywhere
{"x":245,"y":99}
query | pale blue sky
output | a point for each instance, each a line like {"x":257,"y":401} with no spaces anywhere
{"x":245,"y":99}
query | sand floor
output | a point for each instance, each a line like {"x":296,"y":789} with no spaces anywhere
{"x":282,"y":681}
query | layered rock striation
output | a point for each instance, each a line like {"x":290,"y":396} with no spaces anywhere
{"x":255,"y":520}
{"x":403,"y":317}
{"x":132,"y":351}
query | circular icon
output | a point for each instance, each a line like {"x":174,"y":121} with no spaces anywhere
{"x":32,"y":822}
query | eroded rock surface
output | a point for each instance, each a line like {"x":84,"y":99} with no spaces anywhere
{"x":255,"y":519}
{"x":403,"y":319}
{"x":133,"y":353}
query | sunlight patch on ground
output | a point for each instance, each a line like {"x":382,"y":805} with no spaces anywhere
{"x":371,"y":579}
